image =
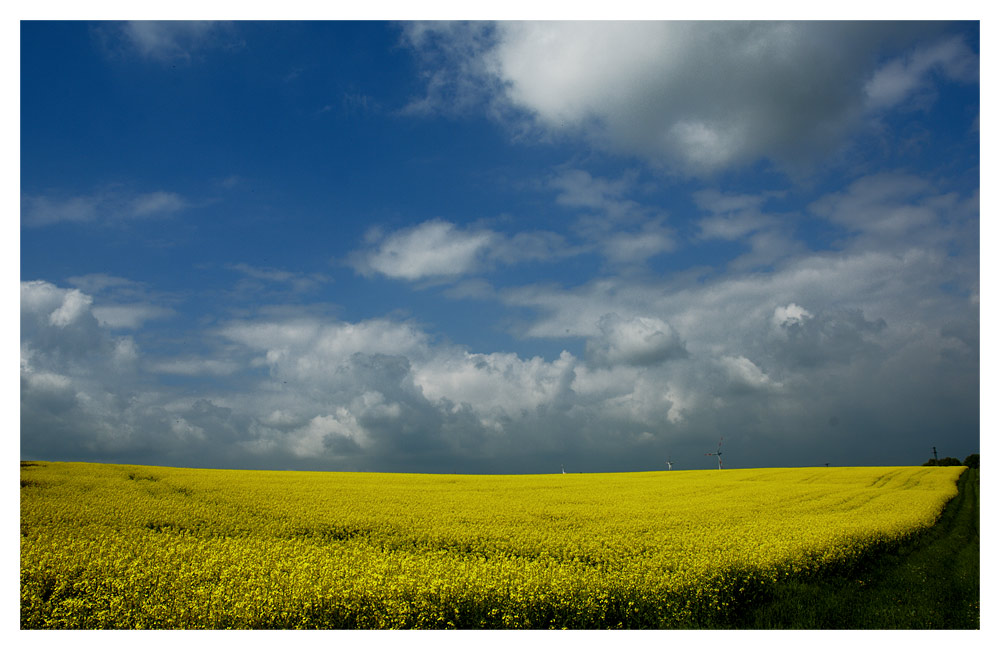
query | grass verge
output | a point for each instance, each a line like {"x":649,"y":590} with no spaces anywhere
{"x":931,"y":582}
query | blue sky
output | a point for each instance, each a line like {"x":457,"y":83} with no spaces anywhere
{"x":499,"y":247}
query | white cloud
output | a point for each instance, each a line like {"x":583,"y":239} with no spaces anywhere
{"x":772,"y":354}
{"x":121,"y":303}
{"x":497,"y":386}
{"x":891,"y":279}
{"x":745,"y":373}
{"x":131,"y":316}
{"x":789,"y":314}
{"x":126,"y":351}
{"x":307,"y":349}
{"x":323,"y":431}
{"x":670,"y":364}
{"x":61,"y":318}
{"x":432,"y":249}
{"x":49,"y":381}
{"x":639,"y":341}
{"x":622,"y":230}
{"x":440,"y":250}
{"x":667,"y":92}
{"x":74,"y":305}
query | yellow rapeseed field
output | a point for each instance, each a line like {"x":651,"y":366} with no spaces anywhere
{"x":119,"y":546}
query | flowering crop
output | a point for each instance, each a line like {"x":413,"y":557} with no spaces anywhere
{"x":121,"y":546}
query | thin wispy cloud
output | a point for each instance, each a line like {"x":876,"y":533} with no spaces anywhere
{"x":100,"y":207}
{"x":905,"y":77}
{"x":297,"y":282}
{"x":168,"y":40}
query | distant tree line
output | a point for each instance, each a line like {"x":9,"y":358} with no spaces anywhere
{"x":971,"y":461}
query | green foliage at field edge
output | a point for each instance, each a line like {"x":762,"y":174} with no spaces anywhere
{"x":931,"y":582}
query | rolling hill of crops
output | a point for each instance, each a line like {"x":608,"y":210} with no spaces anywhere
{"x":117,"y":546}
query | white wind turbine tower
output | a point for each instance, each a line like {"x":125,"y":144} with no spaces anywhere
{"x":670,"y":465}
{"x":717,"y":453}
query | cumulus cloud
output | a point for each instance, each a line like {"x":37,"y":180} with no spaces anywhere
{"x":66,"y":357}
{"x":639,"y":341}
{"x":661,"y":369}
{"x":306,"y":348}
{"x":122,"y":303}
{"x":74,"y":306}
{"x":432,"y":249}
{"x":766,"y":355}
{"x":497,"y":386}
{"x":877,"y":331}
{"x":843,"y":298}
{"x":338,"y":432}
{"x":789,"y":315}
{"x":59,"y":319}
{"x":832,"y":337}
{"x":745,"y":375}
{"x":666,"y":91}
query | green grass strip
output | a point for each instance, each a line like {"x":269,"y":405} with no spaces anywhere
{"x":931,"y":582}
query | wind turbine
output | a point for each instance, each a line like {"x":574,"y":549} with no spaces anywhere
{"x":717,"y":453}
{"x":563,"y":468}
{"x":670,"y":465}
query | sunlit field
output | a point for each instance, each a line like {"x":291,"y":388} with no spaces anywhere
{"x":115,"y":546}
